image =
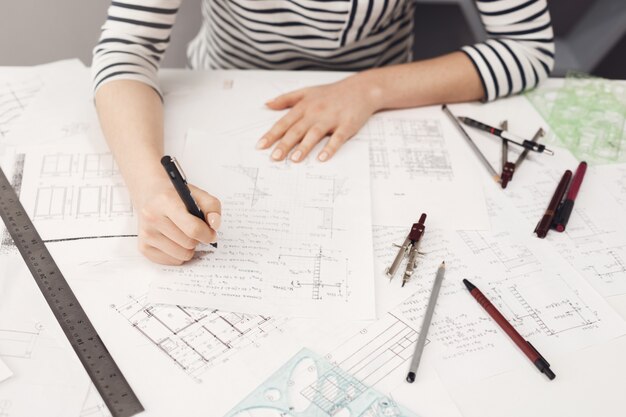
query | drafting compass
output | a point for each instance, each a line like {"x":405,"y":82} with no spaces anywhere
{"x":410,"y":249}
{"x":508,"y":168}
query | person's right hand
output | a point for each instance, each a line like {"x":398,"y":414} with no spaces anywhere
{"x":168,"y":234}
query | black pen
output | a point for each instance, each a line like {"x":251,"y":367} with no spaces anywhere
{"x":177,"y":176}
{"x":507,"y":136}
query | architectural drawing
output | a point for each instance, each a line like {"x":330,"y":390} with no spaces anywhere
{"x":94,"y":406}
{"x":317,"y":274}
{"x":68,"y":193}
{"x":414,"y":163}
{"x":196,"y":339}
{"x":534,"y":310}
{"x":17,"y":168}
{"x":376,"y":351}
{"x":15,"y":96}
{"x":19,"y":343}
{"x":292,"y":238}
{"x":514,"y":257}
{"x":414,"y":148}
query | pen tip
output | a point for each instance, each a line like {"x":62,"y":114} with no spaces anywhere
{"x":410,"y":377}
{"x":469,"y":285}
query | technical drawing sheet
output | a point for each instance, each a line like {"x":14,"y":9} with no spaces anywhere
{"x":36,"y":92}
{"x":419,"y":163}
{"x":594,"y":242}
{"x":295,"y":238}
{"x":36,"y":350}
{"x":75,"y":191}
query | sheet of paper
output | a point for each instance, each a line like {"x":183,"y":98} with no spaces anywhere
{"x":295,"y":238}
{"x":37,"y":93}
{"x":75,"y":190}
{"x":5,"y":372}
{"x":177,"y":359}
{"x":34,"y":347}
{"x":595,"y":238}
{"x":419,"y":164}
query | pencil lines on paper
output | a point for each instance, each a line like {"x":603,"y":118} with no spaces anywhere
{"x":375,"y":351}
{"x":19,"y":343}
{"x":413,"y":148}
{"x":318,"y":274}
{"x":196,"y":339}
{"x":15,"y":97}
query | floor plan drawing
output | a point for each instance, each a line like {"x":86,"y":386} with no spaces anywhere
{"x":195,"y":339}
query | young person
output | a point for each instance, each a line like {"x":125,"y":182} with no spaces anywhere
{"x":372,"y":37}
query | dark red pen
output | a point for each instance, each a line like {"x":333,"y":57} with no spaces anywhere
{"x":546,"y":221}
{"x":526,"y":347}
{"x":565,"y":209}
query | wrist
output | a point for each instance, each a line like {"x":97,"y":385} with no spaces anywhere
{"x":371,"y":83}
{"x":147,"y":182}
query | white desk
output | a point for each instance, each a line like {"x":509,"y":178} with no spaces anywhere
{"x":110,"y":278}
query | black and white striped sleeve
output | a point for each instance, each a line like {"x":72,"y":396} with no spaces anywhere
{"x":133,"y":41}
{"x":519,"y":51}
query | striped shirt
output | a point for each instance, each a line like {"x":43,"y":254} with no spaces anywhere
{"x":349,"y":35}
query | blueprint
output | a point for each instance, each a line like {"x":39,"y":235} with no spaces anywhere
{"x":75,"y":190}
{"x":295,"y":238}
{"x":418,"y":165}
{"x":35,"y":349}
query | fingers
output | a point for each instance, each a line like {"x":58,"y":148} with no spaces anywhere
{"x":168,"y":247}
{"x":315,"y":134}
{"x":157,"y":256}
{"x":278,"y":130}
{"x":286,"y":100}
{"x":210,"y":206}
{"x":192,"y":226}
{"x":172,"y":232}
{"x":289,"y":140}
{"x":338,"y":138}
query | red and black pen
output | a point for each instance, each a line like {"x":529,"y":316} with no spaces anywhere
{"x":526,"y":347}
{"x":565,"y":209}
{"x":546,"y":221}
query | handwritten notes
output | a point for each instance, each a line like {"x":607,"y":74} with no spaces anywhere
{"x":295,"y":240}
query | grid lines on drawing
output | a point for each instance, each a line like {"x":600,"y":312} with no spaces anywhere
{"x":196,"y":339}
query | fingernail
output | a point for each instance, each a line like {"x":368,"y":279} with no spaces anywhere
{"x":262,"y":143}
{"x":296,"y":156}
{"x":215,"y":220}
{"x":277,"y":154}
{"x":323,"y":156}
{"x":270,"y":101}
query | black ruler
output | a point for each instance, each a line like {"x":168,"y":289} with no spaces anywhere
{"x":98,"y":362}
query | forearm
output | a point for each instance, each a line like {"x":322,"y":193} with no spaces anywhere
{"x":131,"y":117}
{"x":446,"y":79}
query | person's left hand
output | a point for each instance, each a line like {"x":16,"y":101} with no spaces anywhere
{"x":337,"y":110}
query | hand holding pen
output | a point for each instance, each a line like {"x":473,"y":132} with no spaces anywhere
{"x":168,"y":233}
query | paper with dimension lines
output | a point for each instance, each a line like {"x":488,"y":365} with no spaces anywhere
{"x":420,"y":164}
{"x":295,"y":238}
{"x":75,"y":190}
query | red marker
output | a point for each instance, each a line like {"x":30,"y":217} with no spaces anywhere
{"x":565,"y":210}
{"x":528,"y":349}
